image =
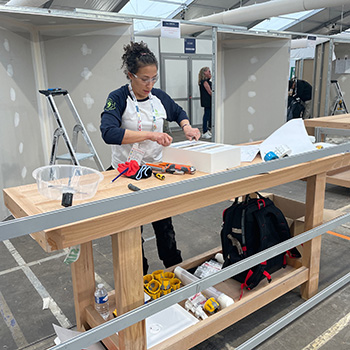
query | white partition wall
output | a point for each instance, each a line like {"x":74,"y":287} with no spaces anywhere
{"x":48,"y":49}
{"x":251,"y":85}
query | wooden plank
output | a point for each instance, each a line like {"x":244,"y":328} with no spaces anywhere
{"x":315,"y":193}
{"x":340,"y":177}
{"x":341,"y":121}
{"x":87,"y":230}
{"x":282,"y":281}
{"x":21,"y":206}
{"x":128,"y":279}
{"x":94,"y":319}
{"x":83,"y":280}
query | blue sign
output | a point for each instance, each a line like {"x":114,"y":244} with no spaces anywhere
{"x":171,"y":24}
{"x":190,"y":45}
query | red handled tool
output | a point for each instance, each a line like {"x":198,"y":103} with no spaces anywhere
{"x":173,"y":168}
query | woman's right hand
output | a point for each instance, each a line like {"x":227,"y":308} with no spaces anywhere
{"x":162,"y":138}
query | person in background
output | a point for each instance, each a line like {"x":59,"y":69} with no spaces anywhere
{"x":133,"y":117}
{"x":204,"y":83}
{"x":299,"y":99}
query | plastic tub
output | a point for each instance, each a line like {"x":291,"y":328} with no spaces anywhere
{"x":55,"y":180}
{"x":166,"y":323}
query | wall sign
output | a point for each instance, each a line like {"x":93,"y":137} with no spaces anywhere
{"x":170,"y":29}
{"x":190,"y":45}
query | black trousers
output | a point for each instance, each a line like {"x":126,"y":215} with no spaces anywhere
{"x":166,"y":244}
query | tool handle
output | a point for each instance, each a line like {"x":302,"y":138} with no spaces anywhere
{"x":133,"y":187}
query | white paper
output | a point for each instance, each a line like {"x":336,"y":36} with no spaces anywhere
{"x":249,"y":152}
{"x":64,"y":334}
{"x":292,"y":134}
{"x":170,"y":29}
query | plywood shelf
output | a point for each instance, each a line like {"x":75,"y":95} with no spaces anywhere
{"x":282,"y":282}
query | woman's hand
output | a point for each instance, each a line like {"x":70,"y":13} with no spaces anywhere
{"x":191,"y":133}
{"x":162,"y":138}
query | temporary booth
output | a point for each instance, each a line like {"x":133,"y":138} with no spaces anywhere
{"x":331,"y":75}
{"x":43,"y":49}
{"x":251,"y":83}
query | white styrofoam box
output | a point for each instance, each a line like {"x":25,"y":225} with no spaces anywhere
{"x":166,"y":323}
{"x":208,"y":157}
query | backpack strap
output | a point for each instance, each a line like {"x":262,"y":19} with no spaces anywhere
{"x":244,"y":244}
{"x":293,"y":254}
{"x":254,"y":277}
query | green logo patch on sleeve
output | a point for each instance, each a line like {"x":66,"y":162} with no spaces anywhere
{"x":110,"y":105}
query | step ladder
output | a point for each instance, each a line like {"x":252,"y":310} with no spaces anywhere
{"x":339,"y":104}
{"x":72,"y":154}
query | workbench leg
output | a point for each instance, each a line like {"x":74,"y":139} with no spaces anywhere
{"x":83,"y":280}
{"x":315,"y":194}
{"x":128,"y":279}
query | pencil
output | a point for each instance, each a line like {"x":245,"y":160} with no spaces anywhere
{"x":123,"y":172}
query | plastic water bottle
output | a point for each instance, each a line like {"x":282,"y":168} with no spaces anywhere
{"x":101,"y":301}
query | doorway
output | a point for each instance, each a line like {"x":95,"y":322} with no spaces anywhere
{"x":179,"y":79}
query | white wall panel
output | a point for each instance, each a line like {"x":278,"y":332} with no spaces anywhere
{"x":89,"y":68}
{"x":176,"y":78}
{"x":252,"y":82}
{"x":40,"y":52}
{"x":21,"y":143}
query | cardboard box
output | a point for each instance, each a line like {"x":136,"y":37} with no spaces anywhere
{"x":208,"y":157}
{"x":294,"y":211}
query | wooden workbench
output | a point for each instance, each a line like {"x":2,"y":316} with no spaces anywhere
{"x":339,"y":177}
{"x":124,"y":228}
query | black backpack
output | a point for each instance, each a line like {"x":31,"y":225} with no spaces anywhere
{"x":295,"y":109}
{"x":249,"y":227}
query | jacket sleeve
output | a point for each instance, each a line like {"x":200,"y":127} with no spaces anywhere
{"x":111,"y":117}
{"x":174,"y":112}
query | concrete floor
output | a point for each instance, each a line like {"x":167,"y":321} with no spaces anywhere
{"x":28,"y":274}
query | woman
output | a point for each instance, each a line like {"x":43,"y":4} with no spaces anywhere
{"x":133,"y":118}
{"x":204,"y":83}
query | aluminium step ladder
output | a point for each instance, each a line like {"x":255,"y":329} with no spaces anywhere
{"x":339,"y":104}
{"x":72,"y":154}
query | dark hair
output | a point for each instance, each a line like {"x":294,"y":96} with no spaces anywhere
{"x":137,"y":55}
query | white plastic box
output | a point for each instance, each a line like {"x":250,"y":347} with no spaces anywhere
{"x":166,"y":323}
{"x":208,"y":157}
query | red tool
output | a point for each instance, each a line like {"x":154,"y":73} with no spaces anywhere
{"x":173,"y":168}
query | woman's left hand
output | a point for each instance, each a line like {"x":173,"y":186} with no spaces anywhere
{"x":191,"y":133}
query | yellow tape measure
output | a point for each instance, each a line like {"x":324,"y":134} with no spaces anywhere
{"x":159,"y":176}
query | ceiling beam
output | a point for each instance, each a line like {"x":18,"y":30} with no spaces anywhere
{"x":120,"y":4}
{"x":333,"y":20}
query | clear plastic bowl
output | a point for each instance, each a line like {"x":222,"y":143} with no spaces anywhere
{"x":55,"y":180}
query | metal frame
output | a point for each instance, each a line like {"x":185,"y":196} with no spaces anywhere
{"x":189,"y":58}
{"x":214,"y":35}
{"x":319,"y":131}
{"x":294,"y":314}
{"x":329,"y":75}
